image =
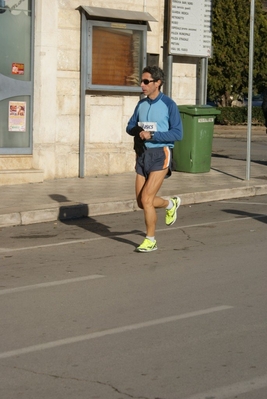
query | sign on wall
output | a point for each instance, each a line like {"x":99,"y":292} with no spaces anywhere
{"x":190,"y":28}
{"x":17,"y":116}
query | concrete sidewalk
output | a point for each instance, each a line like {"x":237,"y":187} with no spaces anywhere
{"x":73,"y":197}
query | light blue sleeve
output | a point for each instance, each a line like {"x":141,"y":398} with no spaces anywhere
{"x":175,"y":129}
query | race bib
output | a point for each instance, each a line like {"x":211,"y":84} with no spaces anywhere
{"x":148,"y":126}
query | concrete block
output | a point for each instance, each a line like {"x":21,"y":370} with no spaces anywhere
{"x":102,"y":208}
{"x":39,"y":216}
{"x":10,"y":219}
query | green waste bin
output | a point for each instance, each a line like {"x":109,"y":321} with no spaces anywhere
{"x":193,"y":153}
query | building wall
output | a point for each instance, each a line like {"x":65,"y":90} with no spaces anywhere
{"x":108,"y":149}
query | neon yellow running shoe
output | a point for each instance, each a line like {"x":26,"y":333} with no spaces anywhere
{"x":147,"y":246}
{"x":171,"y":214}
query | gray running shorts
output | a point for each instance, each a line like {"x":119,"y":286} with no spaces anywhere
{"x":154,"y":159}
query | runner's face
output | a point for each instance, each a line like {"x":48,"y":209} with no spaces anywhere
{"x":150,"y":89}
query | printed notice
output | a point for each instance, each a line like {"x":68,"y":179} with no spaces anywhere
{"x":17,"y":69}
{"x":17,"y":116}
{"x":190,"y":28}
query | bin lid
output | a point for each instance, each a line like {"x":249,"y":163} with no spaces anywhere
{"x":198,"y":110}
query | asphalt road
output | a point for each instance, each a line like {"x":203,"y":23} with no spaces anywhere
{"x":83,"y":316}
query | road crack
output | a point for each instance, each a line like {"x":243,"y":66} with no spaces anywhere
{"x":189,"y":238}
{"x":47,"y":374}
{"x":120,"y":392}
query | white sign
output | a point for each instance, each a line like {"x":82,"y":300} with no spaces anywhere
{"x":190,"y":28}
{"x":148,"y":126}
{"x":205,"y":120}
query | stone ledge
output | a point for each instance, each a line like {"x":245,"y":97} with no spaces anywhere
{"x":21,"y":176}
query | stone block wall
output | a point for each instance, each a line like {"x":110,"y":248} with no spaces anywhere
{"x":108,"y":149}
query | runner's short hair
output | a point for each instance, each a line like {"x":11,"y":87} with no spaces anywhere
{"x":156,"y":73}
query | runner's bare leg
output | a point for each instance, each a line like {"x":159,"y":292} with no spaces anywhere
{"x":146,"y":191}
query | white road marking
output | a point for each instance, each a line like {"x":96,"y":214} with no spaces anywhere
{"x":233,"y":390}
{"x":49,"y":284}
{"x":52,"y":245}
{"x":112,"y":331}
{"x":213,"y":223}
{"x":8,"y":250}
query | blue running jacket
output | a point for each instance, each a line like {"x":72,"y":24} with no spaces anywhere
{"x":162,"y":113}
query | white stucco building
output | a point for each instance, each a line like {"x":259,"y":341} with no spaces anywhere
{"x":43,"y":76}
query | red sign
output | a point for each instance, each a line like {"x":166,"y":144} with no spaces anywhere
{"x":17,"y":69}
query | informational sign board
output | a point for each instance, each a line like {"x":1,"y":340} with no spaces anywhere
{"x":190,"y":28}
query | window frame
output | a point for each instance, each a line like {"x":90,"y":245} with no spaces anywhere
{"x":115,"y":25}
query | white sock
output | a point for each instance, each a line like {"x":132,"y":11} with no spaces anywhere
{"x":151,"y":238}
{"x":170,"y":205}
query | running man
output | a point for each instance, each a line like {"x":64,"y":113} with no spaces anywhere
{"x":155,"y":125}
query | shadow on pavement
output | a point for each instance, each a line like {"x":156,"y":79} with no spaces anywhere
{"x":226,"y":174}
{"x":83,"y":221}
{"x":257,"y":216}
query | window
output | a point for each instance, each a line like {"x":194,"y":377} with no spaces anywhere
{"x":16,"y":76}
{"x":116,"y":56}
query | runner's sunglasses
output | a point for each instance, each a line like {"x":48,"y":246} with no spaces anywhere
{"x":146,"y":81}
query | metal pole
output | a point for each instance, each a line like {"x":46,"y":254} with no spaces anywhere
{"x":250,"y":86}
{"x":167,"y":58}
{"x":202,"y":81}
{"x":206,"y":66}
{"x":168,"y":74}
{"x":82,"y":93}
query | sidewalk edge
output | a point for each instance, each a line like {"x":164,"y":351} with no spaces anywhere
{"x":75,"y":211}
